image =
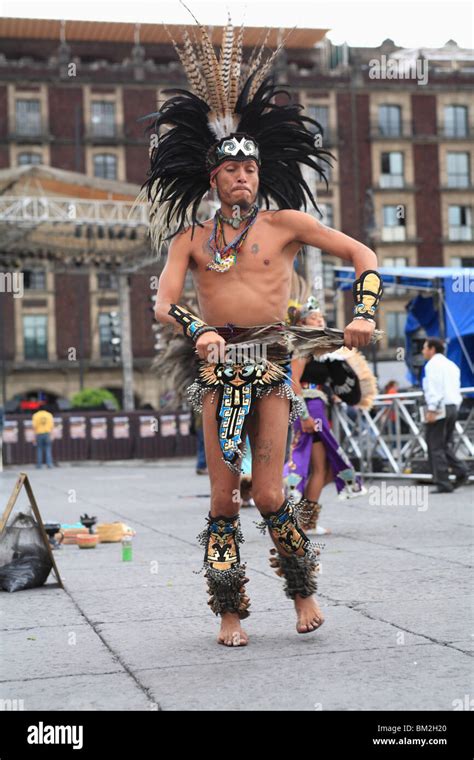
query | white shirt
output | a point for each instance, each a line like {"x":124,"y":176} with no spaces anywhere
{"x":442,"y":382}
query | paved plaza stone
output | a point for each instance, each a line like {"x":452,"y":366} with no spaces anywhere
{"x":395,"y":587}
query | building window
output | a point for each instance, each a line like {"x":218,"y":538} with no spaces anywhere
{"x":395,"y":328}
{"x":460,"y":222}
{"x":391,"y":169}
{"x":28,"y":117}
{"x":328,"y":275}
{"x":395,"y":261}
{"x":465,"y":262}
{"x":34,"y":279}
{"x":319,"y":183}
{"x":455,"y":121}
{"x":458,"y":169}
{"x":328,"y":214}
{"x":107,"y":281}
{"x":105,"y":166}
{"x":321,"y":115}
{"x":393,"y":223}
{"x":103,"y":118}
{"x":109,"y":333}
{"x":390,"y":121}
{"x":29,"y":159}
{"x":35,"y":336}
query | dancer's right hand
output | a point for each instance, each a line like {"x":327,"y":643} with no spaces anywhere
{"x":211,"y":347}
{"x":308,"y":425}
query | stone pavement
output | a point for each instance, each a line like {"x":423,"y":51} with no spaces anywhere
{"x":395,"y":588}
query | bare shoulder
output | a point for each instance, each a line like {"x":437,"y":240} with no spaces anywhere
{"x":286,"y":216}
{"x":189,"y":238}
{"x":293,"y":220}
{"x":298,"y":226}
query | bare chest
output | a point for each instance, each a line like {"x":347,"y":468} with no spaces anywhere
{"x":265,"y":252}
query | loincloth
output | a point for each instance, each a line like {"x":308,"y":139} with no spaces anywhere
{"x":251,"y":371}
{"x":262,"y":367}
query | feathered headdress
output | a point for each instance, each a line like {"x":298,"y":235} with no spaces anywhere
{"x":296,"y":311}
{"x":229,"y":114}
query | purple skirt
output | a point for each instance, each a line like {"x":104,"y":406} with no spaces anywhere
{"x":297,"y":469}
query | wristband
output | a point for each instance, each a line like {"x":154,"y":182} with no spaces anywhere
{"x":201,"y":330}
{"x":192,"y":326}
{"x":367,"y":292}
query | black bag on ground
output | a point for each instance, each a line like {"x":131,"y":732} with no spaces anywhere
{"x":24,"y":559}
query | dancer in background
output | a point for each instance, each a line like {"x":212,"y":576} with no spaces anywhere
{"x":316,"y":458}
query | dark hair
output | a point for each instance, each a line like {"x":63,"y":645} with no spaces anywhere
{"x":435,"y":343}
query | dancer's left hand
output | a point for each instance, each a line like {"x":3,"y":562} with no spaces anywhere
{"x":358,"y":333}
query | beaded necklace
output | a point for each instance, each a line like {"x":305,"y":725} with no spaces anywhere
{"x":225,"y":254}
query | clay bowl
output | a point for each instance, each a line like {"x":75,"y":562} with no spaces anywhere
{"x":87,"y":540}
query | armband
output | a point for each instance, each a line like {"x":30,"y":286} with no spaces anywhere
{"x":367,"y":292}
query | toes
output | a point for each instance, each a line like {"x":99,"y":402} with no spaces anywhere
{"x":234,"y":639}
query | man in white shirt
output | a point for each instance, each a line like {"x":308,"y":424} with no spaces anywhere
{"x":442,"y":389}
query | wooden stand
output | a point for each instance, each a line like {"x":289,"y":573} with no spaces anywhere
{"x":24,"y":481}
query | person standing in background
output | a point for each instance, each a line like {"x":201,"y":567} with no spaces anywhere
{"x":201,"y":464}
{"x":43,"y":426}
{"x":442,"y":389}
{"x":391,"y":389}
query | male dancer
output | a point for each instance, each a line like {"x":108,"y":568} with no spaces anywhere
{"x":247,"y":148}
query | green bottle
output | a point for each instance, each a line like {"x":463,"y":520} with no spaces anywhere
{"x":127,"y":549}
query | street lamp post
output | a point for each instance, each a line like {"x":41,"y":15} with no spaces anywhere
{"x":127,"y":355}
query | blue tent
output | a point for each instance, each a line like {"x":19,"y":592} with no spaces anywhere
{"x":444,"y":306}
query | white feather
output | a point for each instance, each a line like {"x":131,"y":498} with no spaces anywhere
{"x":223,"y":125}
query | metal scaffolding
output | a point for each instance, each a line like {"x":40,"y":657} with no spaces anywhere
{"x":34,"y":209}
{"x":388,"y":441}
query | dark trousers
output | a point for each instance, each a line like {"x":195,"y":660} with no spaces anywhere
{"x":439,"y":438}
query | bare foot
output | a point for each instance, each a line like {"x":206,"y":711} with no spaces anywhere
{"x":310,"y":616}
{"x":232,"y":634}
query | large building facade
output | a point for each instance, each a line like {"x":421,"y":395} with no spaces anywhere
{"x":400,"y":124}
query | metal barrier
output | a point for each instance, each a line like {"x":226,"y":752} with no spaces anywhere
{"x":100,"y":435}
{"x":389,"y":440}
{"x":386,"y":442}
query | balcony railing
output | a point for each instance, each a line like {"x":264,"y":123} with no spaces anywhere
{"x":406,"y":129}
{"x":456,"y":132}
{"x":460,"y":233}
{"x":392,"y":131}
{"x":393,"y":234}
{"x":103,"y":132}
{"x":392,"y":180}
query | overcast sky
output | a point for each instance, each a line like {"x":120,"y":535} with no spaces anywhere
{"x":410,"y":23}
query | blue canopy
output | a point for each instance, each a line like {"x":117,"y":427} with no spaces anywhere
{"x":455,"y":286}
{"x":410,"y":277}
